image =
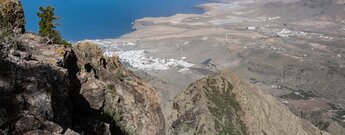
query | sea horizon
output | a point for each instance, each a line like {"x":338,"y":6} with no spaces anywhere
{"x":105,"y":19}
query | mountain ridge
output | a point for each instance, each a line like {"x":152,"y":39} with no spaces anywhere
{"x":60,"y":90}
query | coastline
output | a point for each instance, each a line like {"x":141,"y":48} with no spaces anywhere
{"x":246,"y":67}
{"x":153,"y":41}
{"x":219,"y":35}
{"x":108,"y":19}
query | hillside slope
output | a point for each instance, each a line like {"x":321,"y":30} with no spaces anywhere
{"x":53,"y":89}
{"x":223,"y":104}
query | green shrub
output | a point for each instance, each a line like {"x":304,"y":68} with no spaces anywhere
{"x":47,"y":25}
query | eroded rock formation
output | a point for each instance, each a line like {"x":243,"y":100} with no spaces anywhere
{"x":107,"y":87}
{"x":58,"y":90}
{"x":88,"y":94}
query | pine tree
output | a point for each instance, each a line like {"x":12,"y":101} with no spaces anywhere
{"x":47,"y":25}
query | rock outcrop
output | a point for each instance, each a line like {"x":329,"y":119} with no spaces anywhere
{"x":12,"y":16}
{"x":58,"y":90}
{"x":106,"y":86}
{"x":80,"y":92}
{"x":34,"y":94}
{"x":223,"y":104}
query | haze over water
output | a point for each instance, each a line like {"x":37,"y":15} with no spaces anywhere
{"x":98,"y":19}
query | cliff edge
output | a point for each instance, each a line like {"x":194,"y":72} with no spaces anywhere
{"x":60,"y":90}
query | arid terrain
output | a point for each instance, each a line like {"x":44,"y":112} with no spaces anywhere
{"x":262,"y":67}
{"x":295,"y":50}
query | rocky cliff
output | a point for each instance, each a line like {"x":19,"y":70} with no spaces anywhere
{"x":81,"y":92}
{"x":107,"y":87}
{"x":59,"y":90}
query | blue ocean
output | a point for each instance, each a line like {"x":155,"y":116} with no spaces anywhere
{"x":99,"y":19}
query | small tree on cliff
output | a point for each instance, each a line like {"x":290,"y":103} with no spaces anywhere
{"x":47,"y":25}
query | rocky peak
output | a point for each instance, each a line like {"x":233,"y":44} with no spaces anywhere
{"x":216,"y":107}
{"x":224,"y":104}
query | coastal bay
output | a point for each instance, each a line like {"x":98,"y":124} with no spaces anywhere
{"x":105,"y":18}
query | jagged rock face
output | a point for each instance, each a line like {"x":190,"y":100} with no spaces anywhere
{"x":88,"y":94}
{"x":34,"y":97}
{"x":34,"y":92}
{"x":11,"y":24}
{"x":12,"y":16}
{"x":223,"y":104}
{"x":108,"y":87}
